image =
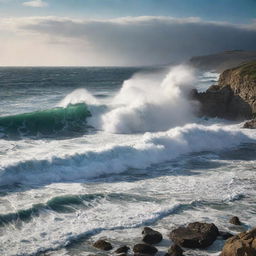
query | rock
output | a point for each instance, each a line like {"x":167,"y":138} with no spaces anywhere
{"x":122,"y":254}
{"x":250,"y":124}
{"x":122,"y":249}
{"x":195,"y":235}
{"x":151,"y":236}
{"x":225,"y":235}
{"x":234,"y":97}
{"x":144,"y":249}
{"x":235,"y":221}
{"x":103,"y":245}
{"x":141,"y":254}
{"x":175,"y":250}
{"x":243,"y":244}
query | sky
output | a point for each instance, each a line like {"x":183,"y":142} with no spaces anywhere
{"x":121,"y":32}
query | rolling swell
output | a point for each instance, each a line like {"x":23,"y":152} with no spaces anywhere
{"x":46,"y":122}
{"x":67,"y":204}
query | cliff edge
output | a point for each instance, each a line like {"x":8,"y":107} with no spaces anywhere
{"x":234,"y":97}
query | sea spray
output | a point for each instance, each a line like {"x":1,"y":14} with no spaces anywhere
{"x":80,"y":95}
{"x":148,"y":102}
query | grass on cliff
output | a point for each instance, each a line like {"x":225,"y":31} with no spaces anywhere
{"x":248,"y":69}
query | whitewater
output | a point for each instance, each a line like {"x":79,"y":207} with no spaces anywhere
{"x":88,"y":153}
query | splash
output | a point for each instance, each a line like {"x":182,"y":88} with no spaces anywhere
{"x":78,"y":96}
{"x":149,"y":102}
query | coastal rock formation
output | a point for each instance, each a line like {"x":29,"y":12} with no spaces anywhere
{"x":175,"y":250}
{"x":195,"y":235}
{"x":243,"y":244}
{"x":234,"y":97}
{"x":122,"y":249}
{"x":103,"y":245}
{"x":235,"y":221}
{"x":151,"y":236}
{"x":144,"y":249}
{"x":251,"y":124}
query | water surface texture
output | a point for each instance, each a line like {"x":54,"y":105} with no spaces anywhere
{"x":87,"y":153}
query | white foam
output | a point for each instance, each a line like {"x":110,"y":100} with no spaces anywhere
{"x":151,"y":102}
{"x":151,"y":148}
{"x":78,"y":96}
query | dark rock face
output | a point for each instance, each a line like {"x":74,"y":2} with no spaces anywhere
{"x":221,"y":102}
{"x":144,"y":249}
{"x":122,"y":249}
{"x":250,"y":124}
{"x":151,"y":236}
{"x":235,"y":220}
{"x":103,"y":245}
{"x":243,"y":244}
{"x":195,"y":235}
{"x":234,"y":97}
{"x":175,"y":250}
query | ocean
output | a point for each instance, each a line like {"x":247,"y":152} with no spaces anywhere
{"x":89,"y":153}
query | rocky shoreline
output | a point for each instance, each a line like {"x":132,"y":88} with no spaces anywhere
{"x":196,"y":235}
{"x":233,"y":98}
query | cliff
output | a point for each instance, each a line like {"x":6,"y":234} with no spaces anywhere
{"x":235,"y":95}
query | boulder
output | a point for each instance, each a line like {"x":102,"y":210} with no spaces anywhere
{"x":144,"y":249}
{"x":122,"y":249}
{"x":151,"y":236}
{"x":243,"y":244}
{"x":175,"y":250}
{"x":235,"y":221}
{"x":103,"y":245}
{"x":195,"y":235}
{"x":251,"y":124}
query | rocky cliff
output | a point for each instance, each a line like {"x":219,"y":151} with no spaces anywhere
{"x":234,"y":97}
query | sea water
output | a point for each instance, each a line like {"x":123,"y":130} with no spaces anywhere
{"x":89,"y":153}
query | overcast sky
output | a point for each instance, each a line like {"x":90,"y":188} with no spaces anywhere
{"x":121,"y":32}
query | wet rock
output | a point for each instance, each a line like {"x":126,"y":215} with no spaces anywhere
{"x":243,"y":244}
{"x":103,"y":245}
{"x":250,"y":124}
{"x":195,"y":235}
{"x":234,"y":97}
{"x":123,"y":249}
{"x":235,"y":221}
{"x":151,"y":236}
{"x":225,"y":235}
{"x":175,"y":250}
{"x":141,"y":254}
{"x":144,"y":249}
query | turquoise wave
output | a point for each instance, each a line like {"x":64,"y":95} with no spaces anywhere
{"x":46,"y":122}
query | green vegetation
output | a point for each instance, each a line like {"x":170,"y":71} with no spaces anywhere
{"x":248,"y":69}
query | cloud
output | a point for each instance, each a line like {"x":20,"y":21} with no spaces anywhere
{"x":35,"y":3}
{"x":131,"y":40}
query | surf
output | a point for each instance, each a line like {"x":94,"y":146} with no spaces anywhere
{"x":46,"y":122}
